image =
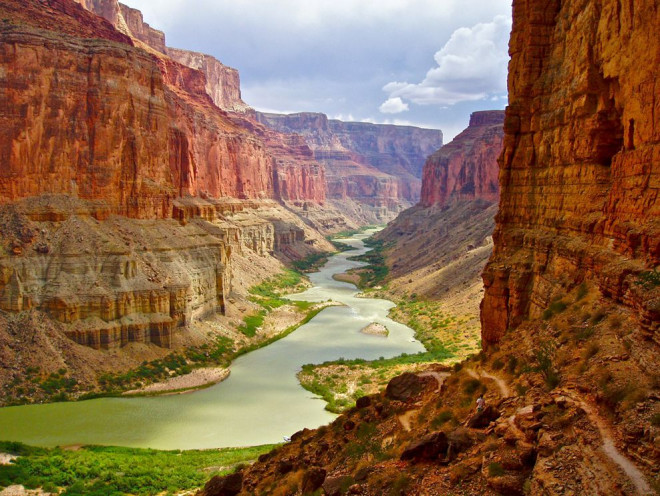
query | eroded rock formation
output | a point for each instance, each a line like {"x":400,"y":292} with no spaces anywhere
{"x":581,"y":160}
{"x":466,"y":168}
{"x":130,"y":187}
{"x":449,"y":231}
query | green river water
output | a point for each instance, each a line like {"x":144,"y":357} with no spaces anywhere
{"x":259,"y":403}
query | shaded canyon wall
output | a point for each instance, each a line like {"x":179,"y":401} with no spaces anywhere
{"x":581,"y":161}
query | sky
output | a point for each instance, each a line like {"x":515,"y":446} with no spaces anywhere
{"x":428,"y":63}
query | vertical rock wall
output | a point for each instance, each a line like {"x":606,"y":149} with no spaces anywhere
{"x":466,"y":168}
{"x":581,"y":162}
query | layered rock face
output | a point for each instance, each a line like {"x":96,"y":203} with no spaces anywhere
{"x":466,"y":168}
{"x":376,"y":166}
{"x":449,"y":231}
{"x":222,"y":83}
{"x":581,"y":161}
{"x":118,"y":170}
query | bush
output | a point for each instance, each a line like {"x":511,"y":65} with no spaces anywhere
{"x":470,"y":386}
{"x":442,"y":418}
{"x":495,"y":469}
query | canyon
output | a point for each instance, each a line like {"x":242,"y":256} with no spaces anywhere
{"x":569,"y":318}
{"x":450,"y":229}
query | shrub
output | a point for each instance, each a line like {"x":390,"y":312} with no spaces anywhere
{"x":442,"y":418}
{"x":512,"y":364}
{"x":498,"y":364}
{"x":582,"y":291}
{"x":655,"y":419}
{"x":470,"y":386}
{"x":495,"y":469}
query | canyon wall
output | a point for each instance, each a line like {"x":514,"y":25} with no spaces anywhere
{"x":580,"y":169}
{"x":372,"y":170}
{"x":124,"y":188}
{"x":466,"y":168}
{"x":222,"y":83}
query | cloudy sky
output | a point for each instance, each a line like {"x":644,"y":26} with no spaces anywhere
{"x":421,"y":62}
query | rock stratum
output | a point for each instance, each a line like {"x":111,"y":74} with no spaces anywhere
{"x":466,"y":168}
{"x":581,"y":161}
{"x":373,"y":171}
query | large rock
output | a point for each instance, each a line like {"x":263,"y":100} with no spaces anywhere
{"x":429,"y":448}
{"x":580,"y":169}
{"x":483,"y":418}
{"x":406,"y":387}
{"x":229,"y":485}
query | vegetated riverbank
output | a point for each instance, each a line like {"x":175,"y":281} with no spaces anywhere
{"x":101,"y":470}
{"x":448,"y":336}
{"x":218,"y":342}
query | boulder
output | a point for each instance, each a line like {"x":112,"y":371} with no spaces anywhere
{"x":229,"y":485}
{"x":405,"y":387}
{"x":430,"y":447}
{"x":483,"y":418}
{"x":313,"y":479}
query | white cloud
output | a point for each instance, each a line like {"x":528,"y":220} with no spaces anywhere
{"x":393,"y":106}
{"x":471,"y":66}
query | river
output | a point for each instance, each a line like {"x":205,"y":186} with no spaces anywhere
{"x":259,"y":403}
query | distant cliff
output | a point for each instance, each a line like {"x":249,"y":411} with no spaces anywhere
{"x":466,"y":168}
{"x":580,"y":167}
{"x":378,"y":166}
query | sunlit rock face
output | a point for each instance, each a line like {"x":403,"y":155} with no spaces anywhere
{"x":375,"y":169}
{"x":466,"y":168}
{"x":581,"y":161}
{"x":120,"y":174}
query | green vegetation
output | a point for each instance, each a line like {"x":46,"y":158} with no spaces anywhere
{"x":311,"y":262}
{"x":555,"y":308}
{"x":649,"y":279}
{"x":495,"y":469}
{"x":544,"y":355}
{"x":445,"y":337}
{"x":376,"y":270}
{"x":252,"y":322}
{"x":96,"y":470}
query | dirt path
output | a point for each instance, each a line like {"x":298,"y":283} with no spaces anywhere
{"x":438,"y":376}
{"x":504,"y":389}
{"x":609,"y":448}
{"x":405,"y":419}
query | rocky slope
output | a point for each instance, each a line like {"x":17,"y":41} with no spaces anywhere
{"x":372,"y":171}
{"x":570,"y":315}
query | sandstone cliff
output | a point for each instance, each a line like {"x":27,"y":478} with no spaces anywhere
{"x":580,"y":165}
{"x":467,"y":167}
{"x":372,"y":171}
{"x":222,"y":83}
{"x":97,"y":125}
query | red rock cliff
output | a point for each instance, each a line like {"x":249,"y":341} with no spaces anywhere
{"x":467,"y":167}
{"x":581,"y":161}
{"x":222,"y":83}
{"x":377,"y":165}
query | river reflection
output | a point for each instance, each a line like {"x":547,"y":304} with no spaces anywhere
{"x":259,"y":403}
